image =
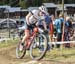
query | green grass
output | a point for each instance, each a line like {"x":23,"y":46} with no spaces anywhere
{"x":8,"y":43}
{"x":65,"y":55}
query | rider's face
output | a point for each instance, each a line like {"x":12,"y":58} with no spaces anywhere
{"x":40,"y":13}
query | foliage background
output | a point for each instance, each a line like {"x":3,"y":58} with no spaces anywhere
{"x":27,"y":3}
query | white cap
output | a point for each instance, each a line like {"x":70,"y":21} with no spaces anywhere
{"x":67,"y":18}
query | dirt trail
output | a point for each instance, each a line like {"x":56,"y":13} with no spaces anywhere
{"x":7,"y":56}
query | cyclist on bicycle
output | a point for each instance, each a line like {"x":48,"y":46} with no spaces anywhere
{"x":33,"y":18}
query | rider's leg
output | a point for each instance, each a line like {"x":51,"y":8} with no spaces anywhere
{"x":23,"y":39}
{"x":26,"y":35}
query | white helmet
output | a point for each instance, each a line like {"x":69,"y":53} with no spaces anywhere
{"x":43,"y":9}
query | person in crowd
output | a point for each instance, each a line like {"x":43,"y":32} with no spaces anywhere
{"x":59,"y":26}
{"x":54,"y":28}
{"x":52,"y":31}
{"x":68,"y":28}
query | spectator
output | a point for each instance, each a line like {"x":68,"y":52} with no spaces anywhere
{"x":68,"y":27}
{"x":52,"y":29}
{"x":59,"y":25}
{"x":53,"y":21}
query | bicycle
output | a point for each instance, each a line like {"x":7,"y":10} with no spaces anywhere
{"x":36,"y":43}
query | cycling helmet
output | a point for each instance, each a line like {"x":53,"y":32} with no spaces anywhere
{"x":43,"y":9}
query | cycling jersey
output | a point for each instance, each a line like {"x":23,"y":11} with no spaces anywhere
{"x":35,"y":13}
{"x":47,"y":19}
{"x":35,"y":17}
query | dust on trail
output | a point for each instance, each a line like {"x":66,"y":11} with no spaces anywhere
{"x":7,"y":56}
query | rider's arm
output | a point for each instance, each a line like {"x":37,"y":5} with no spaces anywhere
{"x":44,"y":24}
{"x":27,"y":17}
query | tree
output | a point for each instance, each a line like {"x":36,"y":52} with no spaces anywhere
{"x":14,"y":3}
{"x":27,"y":3}
{"x":23,"y":4}
{"x":37,"y":2}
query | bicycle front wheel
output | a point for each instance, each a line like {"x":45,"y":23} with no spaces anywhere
{"x":20,"y":50}
{"x":38,"y":47}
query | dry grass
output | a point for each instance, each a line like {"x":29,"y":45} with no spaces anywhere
{"x":63,"y":55}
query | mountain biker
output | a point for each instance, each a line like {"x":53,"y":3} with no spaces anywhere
{"x":33,"y":18}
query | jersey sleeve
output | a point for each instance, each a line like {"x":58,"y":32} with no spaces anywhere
{"x":42,"y":17}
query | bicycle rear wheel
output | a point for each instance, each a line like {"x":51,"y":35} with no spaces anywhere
{"x":38,"y":47}
{"x":20,"y":50}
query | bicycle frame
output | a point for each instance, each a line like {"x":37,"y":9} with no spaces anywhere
{"x":30,"y":38}
{"x":32,"y":43}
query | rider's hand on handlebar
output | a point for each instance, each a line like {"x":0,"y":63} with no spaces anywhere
{"x":46,"y":31}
